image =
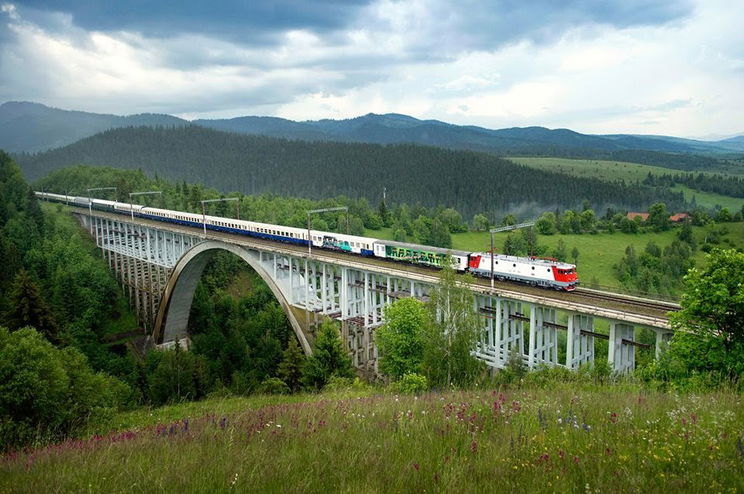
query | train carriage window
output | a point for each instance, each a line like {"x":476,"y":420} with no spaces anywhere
{"x":548,"y":270}
{"x":533,"y":268}
{"x":514,"y":265}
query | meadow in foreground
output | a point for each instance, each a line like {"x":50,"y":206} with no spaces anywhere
{"x":560,"y":440}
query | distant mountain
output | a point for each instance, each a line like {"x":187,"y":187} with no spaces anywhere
{"x":30,"y":127}
{"x":735,"y":143}
{"x":395,"y":128}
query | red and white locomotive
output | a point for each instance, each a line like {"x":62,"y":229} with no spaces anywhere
{"x":546,"y":272}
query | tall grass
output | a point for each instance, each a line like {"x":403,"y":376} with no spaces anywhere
{"x":596,"y":439}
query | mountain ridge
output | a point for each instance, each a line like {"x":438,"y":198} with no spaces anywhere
{"x":33,"y":127}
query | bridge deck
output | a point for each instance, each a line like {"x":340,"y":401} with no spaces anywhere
{"x":612,"y":306}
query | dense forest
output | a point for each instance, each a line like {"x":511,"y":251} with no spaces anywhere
{"x":731,"y":186}
{"x":468,"y":181}
{"x":66,"y":332}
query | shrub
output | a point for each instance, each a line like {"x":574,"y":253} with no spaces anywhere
{"x":47,"y":393}
{"x":273,"y":386}
{"x":412,"y":383}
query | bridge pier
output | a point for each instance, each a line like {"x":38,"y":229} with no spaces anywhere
{"x":580,"y":343}
{"x":621,"y":356}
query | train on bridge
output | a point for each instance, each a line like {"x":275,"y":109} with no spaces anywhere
{"x":544,"y":272}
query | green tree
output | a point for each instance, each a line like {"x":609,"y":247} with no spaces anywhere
{"x":439,"y":235}
{"x":452,"y":220}
{"x":723,"y":216}
{"x":382,"y":210}
{"x":47,"y":393}
{"x":179,"y":375}
{"x":509,"y":220}
{"x":529,"y":235}
{"x":400,"y":339}
{"x":480,"y":223}
{"x":328,"y":359}
{"x":28,"y":308}
{"x":560,"y":251}
{"x":658,"y":217}
{"x":588,"y":220}
{"x":454,"y":328}
{"x":545,"y":224}
{"x":713,"y":301}
{"x":575,"y":254}
{"x":399,"y":234}
{"x":292,"y":365}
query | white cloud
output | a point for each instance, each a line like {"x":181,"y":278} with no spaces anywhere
{"x":684,"y":78}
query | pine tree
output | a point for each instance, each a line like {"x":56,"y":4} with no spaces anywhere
{"x":328,"y":359}
{"x":28,"y":308}
{"x":292,"y":365}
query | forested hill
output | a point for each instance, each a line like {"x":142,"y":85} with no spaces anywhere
{"x":32,"y":127}
{"x":468,"y":181}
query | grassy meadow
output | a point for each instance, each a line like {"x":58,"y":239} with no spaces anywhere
{"x":567,"y":438}
{"x":629,"y":172}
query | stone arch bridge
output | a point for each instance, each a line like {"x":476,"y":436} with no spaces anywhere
{"x":159,"y":266}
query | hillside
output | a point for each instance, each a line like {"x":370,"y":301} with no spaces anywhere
{"x":30,"y":127}
{"x":470,"y":182}
{"x":553,"y":438}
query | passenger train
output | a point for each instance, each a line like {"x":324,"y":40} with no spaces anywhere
{"x":543,"y":272}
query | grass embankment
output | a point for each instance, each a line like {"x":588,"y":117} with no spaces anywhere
{"x":557,"y":440}
{"x":598,"y":253}
{"x":629,"y":172}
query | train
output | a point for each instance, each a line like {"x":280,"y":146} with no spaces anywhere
{"x":543,"y":272}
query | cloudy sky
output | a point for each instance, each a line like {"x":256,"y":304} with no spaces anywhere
{"x":596,"y":66}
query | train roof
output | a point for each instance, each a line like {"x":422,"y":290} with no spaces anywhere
{"x":439,"y":250}
{"x":532,"y":260}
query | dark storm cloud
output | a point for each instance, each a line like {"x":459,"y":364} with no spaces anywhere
{"x":256,"y":21}
{"x":486,"y":25}
{"x":464,"y":24}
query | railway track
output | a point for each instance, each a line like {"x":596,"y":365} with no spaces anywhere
{"x":660,"y":305}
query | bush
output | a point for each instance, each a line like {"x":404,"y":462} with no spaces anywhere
{"x":46,"y":393}
{"x":337,"y":383}
{"x":329,"y":358}
{"x":273,"y":386}
{"x":412,"y":383}
{"x":545,"y":376}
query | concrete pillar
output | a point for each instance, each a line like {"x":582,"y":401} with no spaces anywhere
{"x":621,"y":356}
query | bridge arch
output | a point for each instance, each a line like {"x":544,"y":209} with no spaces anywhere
{"x":171,"y":322}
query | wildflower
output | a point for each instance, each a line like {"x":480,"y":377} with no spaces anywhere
{"x":613,"y":417}
{"x":416,"y":466}
{"x":474,"y":446}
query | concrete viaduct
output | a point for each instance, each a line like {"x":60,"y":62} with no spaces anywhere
{"x":159,"y":266}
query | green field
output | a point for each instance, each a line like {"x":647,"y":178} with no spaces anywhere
{"x":629,"y":172}
{"x":598,"y":253}
{"x":560,"y":438}
{"x":604,"y":170}
{"x":709,"y":199}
